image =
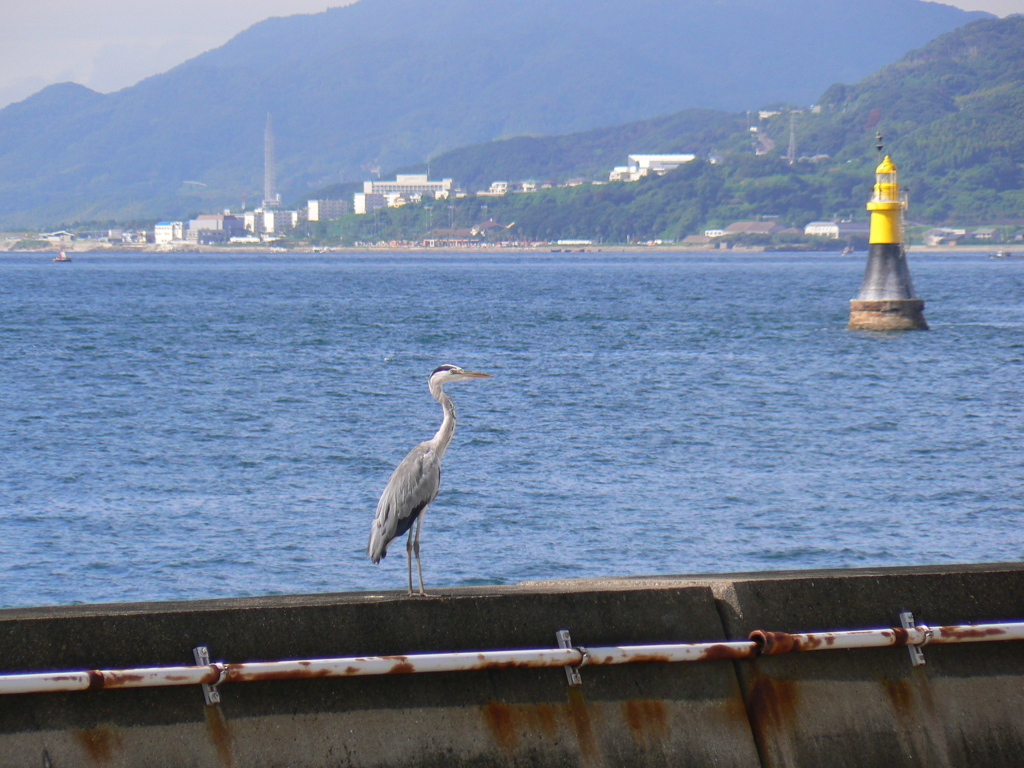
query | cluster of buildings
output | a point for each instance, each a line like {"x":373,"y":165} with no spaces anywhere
{"x":270,"y":221}
{"x":499,"y":188}
{"x":413,"y":188}
{"x":114,"y":236}
{"x":260,"y":225}
{"x":408,"y":188}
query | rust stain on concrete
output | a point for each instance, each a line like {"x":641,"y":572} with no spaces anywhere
{"x":220,"y":734}
{"x":772,"y":704}
{"x":901,"y":694}
{"x":922,"y":688}
{"x":541,"y":718}
{"x":99,"y":743}
{"x":501,"y":722}
{"x":647,"y":720}
{"x":580,"y":719}
{"x":507,"y":722}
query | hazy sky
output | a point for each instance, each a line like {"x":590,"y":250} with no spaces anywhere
{"x":111,"y":44}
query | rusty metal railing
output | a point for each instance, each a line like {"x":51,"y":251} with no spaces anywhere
{"x":759,"y":643}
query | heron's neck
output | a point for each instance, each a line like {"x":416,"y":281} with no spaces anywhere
{"x":447,"y":428}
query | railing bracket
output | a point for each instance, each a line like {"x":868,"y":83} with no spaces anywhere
{"x":210,"y":692}
{"x":572,"y":673}
{"x":916,"y":654}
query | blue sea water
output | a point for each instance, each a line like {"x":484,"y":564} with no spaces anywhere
{"x":176,"y":426}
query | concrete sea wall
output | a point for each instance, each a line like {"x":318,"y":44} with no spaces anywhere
{"x":861,"y":708}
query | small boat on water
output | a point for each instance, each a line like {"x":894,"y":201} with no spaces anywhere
{"x":62,"y":256}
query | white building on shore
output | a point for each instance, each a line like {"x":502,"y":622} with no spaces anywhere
{"x":368,"y":202}
{"x":270,"y":221}
{"x":837,"y":229}
{"x":275,"y":221}
{"x":638,"y":166}
{"x":409,"y":184}
{"x":405,"y":187}
{"x":325,"y":210}
{"x":168,"y":232}
{"x":213,"y":228}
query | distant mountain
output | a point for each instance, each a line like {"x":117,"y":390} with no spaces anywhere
{"x":392,"y":82}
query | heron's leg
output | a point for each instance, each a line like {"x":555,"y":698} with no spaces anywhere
{"x":416,"y":550}
{"x":408,"y":558}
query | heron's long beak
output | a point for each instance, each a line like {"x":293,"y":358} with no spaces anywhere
{"x":475,"y":375}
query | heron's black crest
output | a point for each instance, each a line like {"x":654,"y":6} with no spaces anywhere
{"x":444,"y":367}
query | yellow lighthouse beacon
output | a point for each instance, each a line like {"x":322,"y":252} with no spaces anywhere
{"x":886,"y":301}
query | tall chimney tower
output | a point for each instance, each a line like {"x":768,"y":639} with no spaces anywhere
{"x":791,"y":154}
{"x":886,"y":301}
{"x":270,"y":198}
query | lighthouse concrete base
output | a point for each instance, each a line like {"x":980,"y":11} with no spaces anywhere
{"x":887,"y":315}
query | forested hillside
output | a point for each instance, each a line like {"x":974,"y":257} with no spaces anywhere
{"x":952,"y":114}
{"x":588,"y":155}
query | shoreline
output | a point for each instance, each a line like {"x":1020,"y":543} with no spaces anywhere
{"x":95,"y":247}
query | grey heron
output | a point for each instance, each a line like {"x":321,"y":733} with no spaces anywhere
{"x":414,"y":483}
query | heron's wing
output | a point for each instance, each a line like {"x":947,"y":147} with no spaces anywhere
{"x":412,"y":486}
